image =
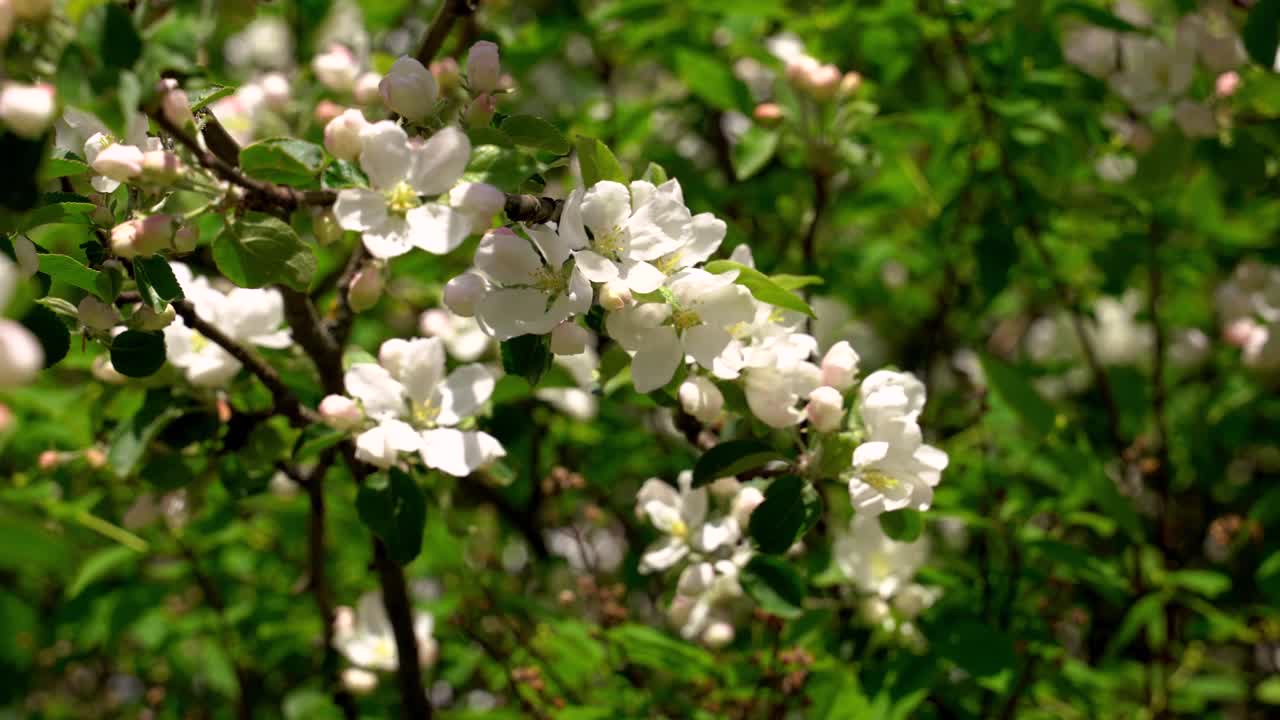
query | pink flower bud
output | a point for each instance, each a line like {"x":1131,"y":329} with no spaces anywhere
{"x":481,"y":111}
{"x":367,"y":89}
{"x":97,"y":315}
{"x":798,"y":70}
{"x":326,"y":228}
{"x":768,"y":114}
{"x":463,"y":292}
{"x":745,"y":503}
{"x":342,"y":134}
{"x":1227,"y":84}
{"x":327,"y":110}
{"x":483,"y":68}
{"x":124,"y":239}
{"x":28,"y":110}
{"x":435,"y":322}
{"x":840,"y":366}
{"x":174,"y":102}
{"x":161,"y":166}
{"x":718,"y":634}
{"x":276,"y":91}
{"x":48,"y":460}
{"x":95,"y":458}
{"x":336,"y":68}
{"x":6,"y":418}
{"x":701,"y":398}
{"x":825,"y":409}
{"x":447,"y":74}
{"x":569,"y":338}
{"x":340,"y":412}
{"x":155,"y":233}
{"x":824,"y":81}
{"x":185,"y":239}
{"x":1239,"y":331}
{"x":850,"y":83}
{"x":366,"y":288}
{"x":409,"y":89}
{"x":615,"y":295}
{"x":119,"y":162}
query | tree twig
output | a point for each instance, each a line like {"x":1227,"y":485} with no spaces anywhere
{"x":441,"y":25}
{"x":286,"y":402}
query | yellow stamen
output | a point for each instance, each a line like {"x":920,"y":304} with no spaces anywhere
{"x":402,"y":198}
{"x":879,"y":480}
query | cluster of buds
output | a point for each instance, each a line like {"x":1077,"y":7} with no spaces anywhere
{"x":821,"y":81}
{"x":150,"y":235}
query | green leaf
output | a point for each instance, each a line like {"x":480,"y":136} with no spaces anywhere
{"x":51,"y":331}
{"x":156,"y":282}
{"x":774,"y":585}
{"x":286,"y":161}
{"x":69,"y":211}
{"x":314,"y":440}
{"x":108,"y":31}
{"x":795,"y":282}
{"x":135,"y":353}
{"x":977,"y":648}
{"x":778,"y":521}
{"x":1202,"y":582}
{"x":259,"y":250}
{"x":309,"y":704}
{"x":342,"y":174}
{"x":392,"y":506}
{"x":99,"y":565}
{"x":535,"y":132}
{"x":710,"y":78}
{"x":132,"y":437}
{"x":204,"y":97}
{"x":761,"y":287}
{"x":732,"y":457}
{"x":655,"y":174}
{"x":902,"y":525}
{"x":1018,"y":394}
{"x":19,"y":189}
{"x":1143,"y":613}
{"x":71,"y":271}
{"x":1268,"y":576}
{"x":648,"y":647}
{"x":55,"y":168}
{"x":1268,"y":691}
{"x":504,"y":168}
{"x":597,"y":162}
{"x":527,"y":356}
{"x":1261,"y":32}
{"x":753,"y":151}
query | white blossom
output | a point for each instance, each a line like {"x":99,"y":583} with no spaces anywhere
{"x":681,"y":514}
{"x":392,"y":215}
{"x":365,"y":636}
{"x":533,"y":286}
{"x":893,"y":468}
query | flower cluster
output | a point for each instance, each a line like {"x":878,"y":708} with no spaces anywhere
{"x":882,"y":569}
{"x":1249,"y":311}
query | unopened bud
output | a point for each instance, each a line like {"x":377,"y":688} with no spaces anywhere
{"x":104,"y":371}
{"x":124,"y":239}
{"x":447,"y":73}
{"x":6,"y":419}
{"x":840,"y":366}
{"x":483,"y":68}
{"x":701,"y":398}
{"x":463,"y":292}
{"x":366,"y":288}
{"x":185,"y":240}
{"x":367,"y":89}
{"x":1239,"y":331}
{"x":117,"y":161}
{"x":97,"y":315}
{"x":481,"y":110}
{"x":850,"y":83}
{"x":768,"y":114}
{"x":326,"y":228}
{"x":48,"y":460}
{"x":155,"y":233}
{"x":340,"y":412}
{"x":825,"y":409}
{"x":342,"y":135}
{"x":144,"y":318}
{"x":569,"y":338}
{"x":335,"y":68}
{"x":615,"y":295}
{"x":24,"y":252}
{"x":174,"y":103}
{"x":718,"y":634}
{"x":161,"y":166}
{"x":1227,"y":84}
{"x":327,"y":110}
{"x":28,"y":110}
{"x":359,"y":682}
{"x":409,"y":89}
{"x":824,"y":81}
{"x":276,"y":91}
{"x":95,"y":458}
{"x":435,"y":322}
{"x":745,"y":503}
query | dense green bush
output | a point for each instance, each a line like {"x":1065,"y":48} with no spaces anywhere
{"x":568,"y":359}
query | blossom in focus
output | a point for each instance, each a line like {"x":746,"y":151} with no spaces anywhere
{"x":392,"y":216}
{"x":893,"y":468}
{"x":416,"y":407}
{"x":409,"y":89}
{"x":483,"y":68}
{"x":532,"y":285}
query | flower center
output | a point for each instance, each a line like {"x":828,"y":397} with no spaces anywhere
{"x":549,"y":281}
{"x":679,"y":529}
{"x":878,"y":480}
{"x":198,"y":341}
{"x":423,"y":414}
{"x":402,"y":198}
{"x":667,"y":263}
{"x":385,"y":649}
{"x":608,"y":244}
{"x":683,"y":319}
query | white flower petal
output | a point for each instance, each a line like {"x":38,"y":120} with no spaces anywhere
{"x":436,"y":228}
{"x":459,"y":453}
{"x":389,"y":240}
{"x":441,"y":161}
{"x":595,"y":267}
{"x":655,"y":363}
{"x":360,"y":209}
{"x":379,"y":393}
{"x":464,"y":392}
{"x":385,"y":155}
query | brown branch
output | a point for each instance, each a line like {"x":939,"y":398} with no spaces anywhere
{"x":441,"y":25}
{"x":340,"y":324}
{"x":395,"y":598}
{"x":314,"y":339}
{"x":286,"y":402}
